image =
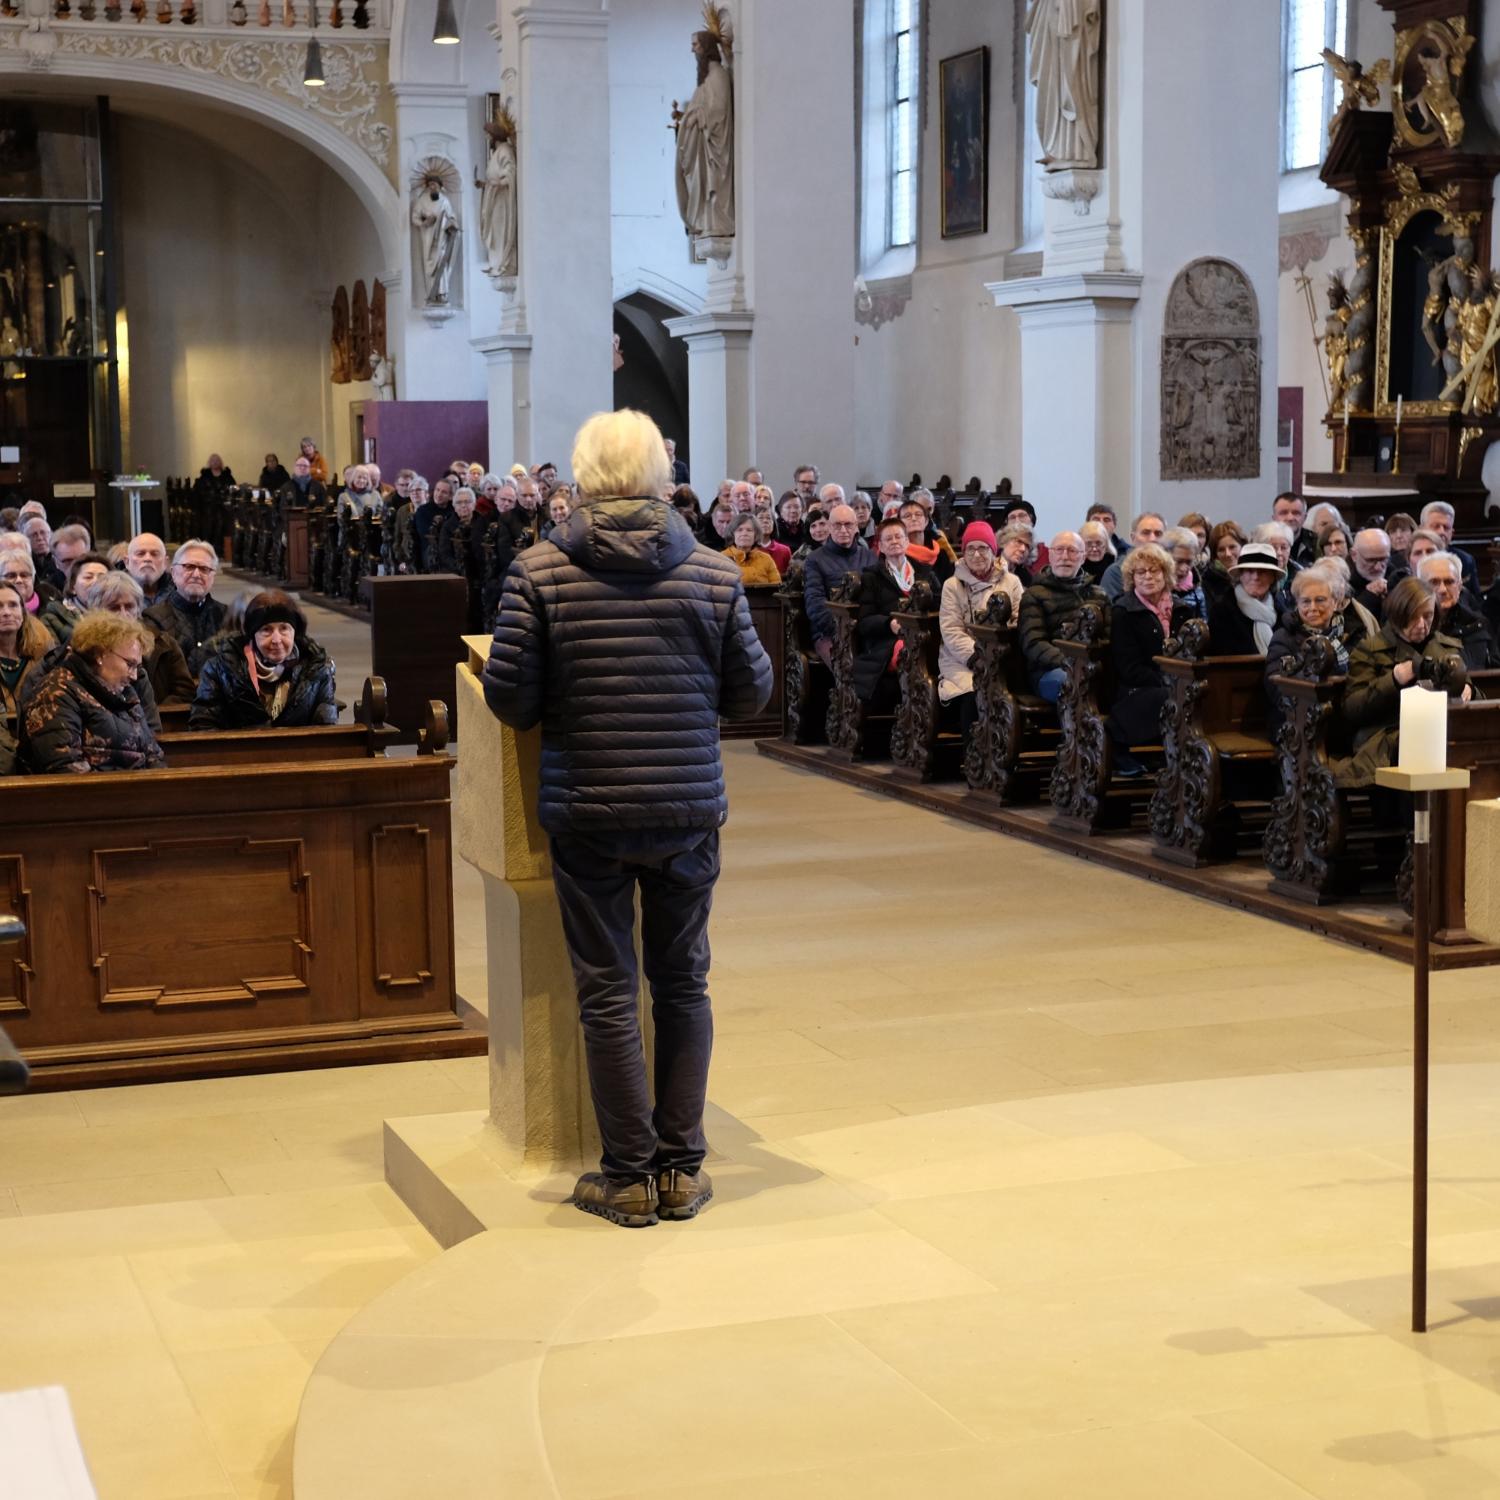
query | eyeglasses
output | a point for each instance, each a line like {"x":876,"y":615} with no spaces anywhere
{"x":205,"y":568}
{"x":16,"y":577}
{"x":132,"y":668}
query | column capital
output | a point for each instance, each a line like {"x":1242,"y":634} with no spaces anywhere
{"x":501,"y":345}
{"x":1088,"y":296}
{"x":727,"y":328}
{"x":573,"y":20}
{"x":435,"y":93}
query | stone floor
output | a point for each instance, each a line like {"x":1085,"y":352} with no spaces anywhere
{"x":1037,"y":1180}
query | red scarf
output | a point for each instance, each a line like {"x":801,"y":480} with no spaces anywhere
{"x":1161,"y":608}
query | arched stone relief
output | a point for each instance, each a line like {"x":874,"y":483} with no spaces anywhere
{"x":1211,"y":374}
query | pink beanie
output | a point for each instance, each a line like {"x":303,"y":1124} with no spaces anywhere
{"x":980,"y":531}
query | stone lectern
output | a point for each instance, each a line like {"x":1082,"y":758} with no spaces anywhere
{"x":539,"y":1096}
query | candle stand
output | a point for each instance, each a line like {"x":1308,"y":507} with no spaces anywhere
{"x":1422,"y":785}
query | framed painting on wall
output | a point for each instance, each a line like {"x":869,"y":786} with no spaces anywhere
{"x":964,"y":116}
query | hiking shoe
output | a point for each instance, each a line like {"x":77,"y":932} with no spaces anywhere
{"x":632,"y":1205}
{"x":680,"y":1195}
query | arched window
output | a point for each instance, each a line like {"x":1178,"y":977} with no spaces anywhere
{"x":1307,"y":84}
{"x":902,"y":46}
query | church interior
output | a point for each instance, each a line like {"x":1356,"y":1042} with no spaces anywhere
{"x":1099,"y":400}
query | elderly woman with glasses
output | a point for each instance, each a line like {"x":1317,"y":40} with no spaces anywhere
{"x":18,"y":568}
{"x":165,"y":676}
{"x":85,"y":714}
{"x":980,"y":574}
{"x":270,"y":675}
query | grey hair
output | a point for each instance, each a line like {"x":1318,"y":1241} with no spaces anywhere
{"x":1322,"y":508}
{"x":917,"y":494}
{"x":806,"y":469}
{"x":1146,"y":515}
{"x":1439,"y":508}
{"x":620,"y":453}
{"x":1180,"y":536}
{"x":1446,"y":558}
{"x":1317,"y":574}
{"x":865,"y":496}
{"x":829,"y":490}
{"x":70,"y":534}
{"x":114,"y":588}
{"x":464,"y":489}
{"x":31,"y":521}
{"x":1270,"y":531}
{"x":195,"y":544}
{"x":23,"y":552}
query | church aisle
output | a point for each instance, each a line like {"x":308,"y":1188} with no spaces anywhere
{"x":1117,"y":1081}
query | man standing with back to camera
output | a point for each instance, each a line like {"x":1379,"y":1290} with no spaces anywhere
{"x":627,"y":641}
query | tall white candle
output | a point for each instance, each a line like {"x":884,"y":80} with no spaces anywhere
{"x":1424,"y":731}
{"x":1400,"y":401}
{"x":1346,"y":414}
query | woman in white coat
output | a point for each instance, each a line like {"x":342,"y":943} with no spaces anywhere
{"x":981,"y":572}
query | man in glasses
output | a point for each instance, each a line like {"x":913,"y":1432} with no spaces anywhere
{"x":190,"y":614}
{"x":826,"y":566}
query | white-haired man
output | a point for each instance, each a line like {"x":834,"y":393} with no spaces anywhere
{"x":190,"y":614}
{"x":146,"y":562}
{"x":621,"y":814}
{"x":1453,"y":616}
{"x":1438,"y":517}
{"x":1369,"y":569}
{"x":1147,"y":527}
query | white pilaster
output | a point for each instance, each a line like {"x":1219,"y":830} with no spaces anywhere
{"x":556,"y":70}
{"x":721,"y":395}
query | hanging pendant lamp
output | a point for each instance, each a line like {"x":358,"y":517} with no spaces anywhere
{"x":312,"y":72}
{"x":445,"y":31}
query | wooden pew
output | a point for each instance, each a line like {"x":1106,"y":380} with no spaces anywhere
{"x":231,"y":916}
{"x":852,"y":729}
{"x":925,"y":734}
{"x":807,"y":682}
{"x":1085,"y":792}
{"x":1220,"y":762}
{"x":1013,"y":746}
{"x":765,"y":615}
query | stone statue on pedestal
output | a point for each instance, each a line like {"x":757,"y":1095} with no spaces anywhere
{"x":705,"y":137}
{"x":497,"y":198}
{"x":436,"y":222}
{"x":1064,"y":37}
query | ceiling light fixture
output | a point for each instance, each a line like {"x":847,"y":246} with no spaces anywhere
{"x":312,"y":72}
{"x":445,"y":31}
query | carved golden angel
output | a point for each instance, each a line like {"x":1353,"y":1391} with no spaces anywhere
{"x":1436,"y":107}
{"x":1360,"y":87}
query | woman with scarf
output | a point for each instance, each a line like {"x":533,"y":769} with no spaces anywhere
{"x":63,"y":614}
{"x":748,"y":551}
{"x":1224,"y":543}
{"x":1242,"y":622}
{"x":885,"y":590}
{"x":271,"y":675}
{"x":1315,"y":612}
{"x":1147,"y":615}
{"x":980,"y":574}
{"x":1181,"y":545}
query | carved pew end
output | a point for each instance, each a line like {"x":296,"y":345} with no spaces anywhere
{"x":433,"y":739}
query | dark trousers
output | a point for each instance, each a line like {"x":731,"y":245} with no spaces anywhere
{"x":596,"y":880}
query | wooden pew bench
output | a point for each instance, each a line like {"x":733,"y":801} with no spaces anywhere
{"x":253,"y":910}
{"x":852,"y":729}
{"x":926,"y":738}
{"x":1087,"y":795}
{"x":808,"y":682}
{"x":1219,"y":776}
{"x":1014,"y":743}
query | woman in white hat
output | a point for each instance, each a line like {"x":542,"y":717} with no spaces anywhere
{"x":1242,"y":622}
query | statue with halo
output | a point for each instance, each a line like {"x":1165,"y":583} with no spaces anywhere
{"x":435,"y":184}
{"x":705,"y":139}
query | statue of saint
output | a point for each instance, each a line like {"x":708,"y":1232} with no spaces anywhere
{"x":437,"y":228}
{"x":1064,"y":37}
{"x":705,"y":145}
{"x":497,"y":202}
{"x":1336,"y":341}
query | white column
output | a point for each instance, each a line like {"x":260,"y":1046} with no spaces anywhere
{"x":721,"y":395}
{"x":550,"y":362}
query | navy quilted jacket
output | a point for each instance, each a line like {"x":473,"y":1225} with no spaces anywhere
{"x":626,"y":641}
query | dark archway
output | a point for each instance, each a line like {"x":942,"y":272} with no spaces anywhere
{"x":654,"y":375}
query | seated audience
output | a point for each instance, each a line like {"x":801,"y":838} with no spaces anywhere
{"x":1359,"y":622}
{"x":38,"y":536}
{"x":190,"y":614}
{"x":18,"y":568}
{"x":1104,"y":513}
{"x":979,"y":575}
{"x":1369,"y":565}
{"x":919,"y":549}
{"x":1224,"y":543}
{"x":1146,"y":528}
{"x":1399,"y":529}
{"x":1146,"y":616}
{"x":61,"y":615}
{"x":864,"y":514}
{"x":843,"y":553}
{"x":1314,"y":613}
{"x":1438,"y":517}
{"x":1197,"y":523}
{"x":719,"y":533}
{"x":1098,"y":549}
{"x":1242,"y":622}
{"x":165,"y":677}
{"x":1380,"y":667}
{"x":273,"y":674}
{"x":273,"y":475}
{"x":1018,"y":548}
{"x":1454,"y":618}
{"x":426,"y":515}
{"x":779,"y":552}
{"x":885,"y":589}
{"x":1181,"y":545}
{"x":304,"y":488}
{"x":214,"y":482}
{"x":1059,"y":591}
{"x":1319,"y":519}
{"x":85,"y":714}
{"x":815,"y":524}
{"x":146,"y":562}
{"x":1290,"y":509}
{"x":747,"y":549}
{"x":1423,"y":543}
{"x":361,"y":493}
{"x":69,"y":542}
{"x":24,"y":644}
{"x":1335,"y":540}
{"x":789,"y":526}
{"x":560,"y":507}
{"x":685,"y":503}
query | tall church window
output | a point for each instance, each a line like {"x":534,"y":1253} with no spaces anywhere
{"x":1307,"y":84}
{"x":903,"y":123}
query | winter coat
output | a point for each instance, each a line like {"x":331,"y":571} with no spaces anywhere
{"x":273,"y":479}
{"x":880,"y":597}
{"x":627,"y":642}
{"x":1372,"y":699}
{"x":60,"y":618}
{"x":779,"y":553}
{"x":756,"y":566}
{"x":1476,"y":642}
{"x":292,"y":494}
{"x":1136,"y":639}
{"x":1231,"y":632}
{"x":1288,"y":639}
{"x":191,"y":625}
{"x":35,"y":664}
{"x":227,"y":699}
{"x":48,"y":572}
{"x":166,"y":669}
{"x":72,"y":722}
{"x":824,"y":570}
{"x":423,"y":519}
{"x":213,"y":487}
{"x":1046,"y":607}
{"x":963,"y":596}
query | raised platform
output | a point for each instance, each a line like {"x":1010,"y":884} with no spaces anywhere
{"x":1382,"y":928}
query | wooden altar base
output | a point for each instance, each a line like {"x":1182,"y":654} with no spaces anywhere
{"x":1381,"y":927}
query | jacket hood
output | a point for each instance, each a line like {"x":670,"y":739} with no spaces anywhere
{"x":637,"y":535}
